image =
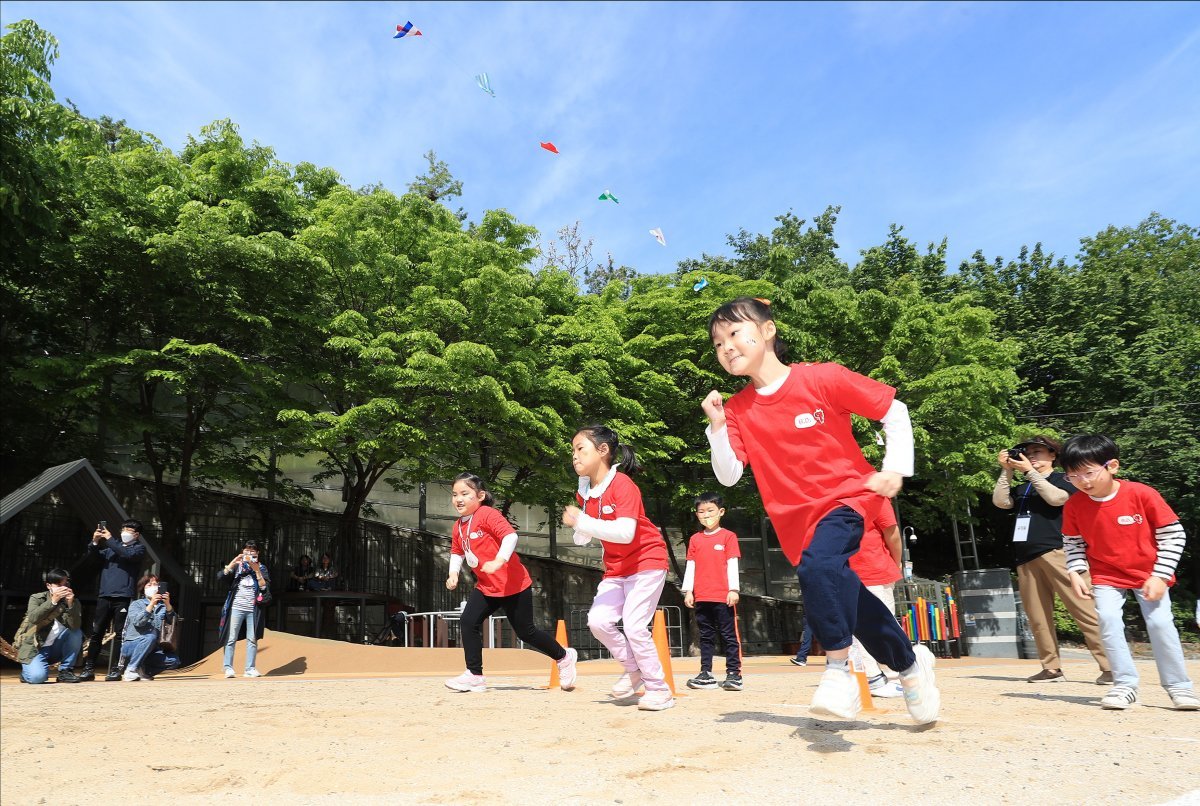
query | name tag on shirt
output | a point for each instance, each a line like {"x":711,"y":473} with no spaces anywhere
{"x":1021,"y":532}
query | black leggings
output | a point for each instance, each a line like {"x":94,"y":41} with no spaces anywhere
{"x":519,"y":609}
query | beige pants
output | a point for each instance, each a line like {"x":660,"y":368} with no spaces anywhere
{"x":1040,"y":580}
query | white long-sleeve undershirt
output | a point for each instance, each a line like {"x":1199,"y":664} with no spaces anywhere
{"x":897,"y":458}
{"x":620,"y":530}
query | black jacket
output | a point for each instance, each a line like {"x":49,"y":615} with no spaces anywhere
{"x":122,"y":566}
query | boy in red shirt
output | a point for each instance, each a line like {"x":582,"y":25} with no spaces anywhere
{"x":792,"y":423}
{"x":877,"y":564}
{"x":710,"y":585}
{"x":1127,"y":536}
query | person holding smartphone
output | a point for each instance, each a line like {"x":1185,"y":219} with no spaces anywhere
{"x":121,"y":564}
{"x":50,"y":631}
{"x":249,"y":591}
{"x":140,"y":655}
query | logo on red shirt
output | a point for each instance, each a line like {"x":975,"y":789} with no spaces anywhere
{"x":809,"y":420}
{"x":1129,"y":520}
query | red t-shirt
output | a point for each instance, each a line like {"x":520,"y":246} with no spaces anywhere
{"x":873,"y":562}
{"x":711,"y":553}
{"x":483,"y":531}
{"x":623,"y":499}
{"x":1119,"y":533}
{"x":800,"y":444}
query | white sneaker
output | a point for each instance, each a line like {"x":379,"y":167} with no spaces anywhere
{"x":627,"y":686}
{"x":229,"y":672}
{"x":921,"y":693}
{"x":567,"y":671}
{"x":885,"y":688}
{"x":1120,"y":698}
{"x":1184,"y":700}
{"x":252,"y":672}
{"x":656,"y":701}
{"x":130,"y":675}
{"x":467,"y":682}
{"x":836,"y":695}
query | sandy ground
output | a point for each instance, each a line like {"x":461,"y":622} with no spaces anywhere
{"x":385,"y":730}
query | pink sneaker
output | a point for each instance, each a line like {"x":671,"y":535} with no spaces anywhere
{"x":656,"y":701}
{"x":467,"y":682}
{"x":567,"y":671}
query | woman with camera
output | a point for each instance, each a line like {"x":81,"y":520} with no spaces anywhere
{"x":249,"y":592}
{"x":1038,"y":552}
{"x":141,"y":656}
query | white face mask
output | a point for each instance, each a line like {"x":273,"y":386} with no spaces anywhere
{"x":128,"y":537}
{"x":150,"y":590}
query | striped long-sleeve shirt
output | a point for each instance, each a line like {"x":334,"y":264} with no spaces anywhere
{"x":1123,"y":539}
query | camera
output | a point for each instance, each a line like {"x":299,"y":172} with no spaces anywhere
{"x":1015,"y":454}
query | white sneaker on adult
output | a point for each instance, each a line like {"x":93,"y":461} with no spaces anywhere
{"x":656,"y":701}
{"x":252,"y":672}
{"x":886,"y":688}
{"x":229,"y":672}
{"x":467,"y":681}
{"x":1119,"y":698}
{"x":836,"y":695}
{"x":921,"y":693}
{"x":131,"y":674}
{"x":627,"y":686}
{"x":1183,"y":699}
{"x":567,"y":671}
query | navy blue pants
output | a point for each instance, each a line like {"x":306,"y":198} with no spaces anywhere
{"x":805,"y":638}
{"x":711,"y":618}
{"x":837,"y":605}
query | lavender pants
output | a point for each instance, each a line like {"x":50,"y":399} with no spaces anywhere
{"x":631,"y":600}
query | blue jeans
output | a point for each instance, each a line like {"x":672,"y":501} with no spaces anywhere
{"x":838,"y":606}
{"x":1164,"y":638}
{"x":135,"y":650}
{"x":236,"y":618}
{"x":65,"y":650}
{"x":158,"y":661}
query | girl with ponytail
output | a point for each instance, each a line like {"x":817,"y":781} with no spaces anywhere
{"x":635,"y":561}
{"x":486,"y":541}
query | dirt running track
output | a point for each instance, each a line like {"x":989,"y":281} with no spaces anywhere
{"x":334,"y":723}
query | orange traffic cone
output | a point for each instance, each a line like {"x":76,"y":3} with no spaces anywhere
{"x":864,"y":688}
{"x":664,"y":649}
{"x":560,"y":635}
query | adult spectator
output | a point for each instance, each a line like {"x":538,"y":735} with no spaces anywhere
{"x":121,"y":562}
{"x":1037,"y":546}
{"x":302,"y":573}
{"x":141,"y":657}
{"x":325,"y":577}
{"x":249,"y":591}
{"x":50,"y":631}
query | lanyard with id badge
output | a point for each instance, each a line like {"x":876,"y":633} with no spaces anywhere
{"x":1021,"y":530}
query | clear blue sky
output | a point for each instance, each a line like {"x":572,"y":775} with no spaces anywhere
{"x":990,"y":124}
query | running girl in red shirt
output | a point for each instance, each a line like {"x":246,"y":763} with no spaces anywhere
{"x":635,"y":561}
{"x":486,"y":540}
{"x":792,"y":424}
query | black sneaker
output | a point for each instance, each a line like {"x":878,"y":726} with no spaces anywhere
{"x":88,"y":673}
{"x":115,"y":674}
{"x":703,"y":680}
{"x":67,"y":676}
{"x":732,"y":682}
{"x":798,"y":662}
